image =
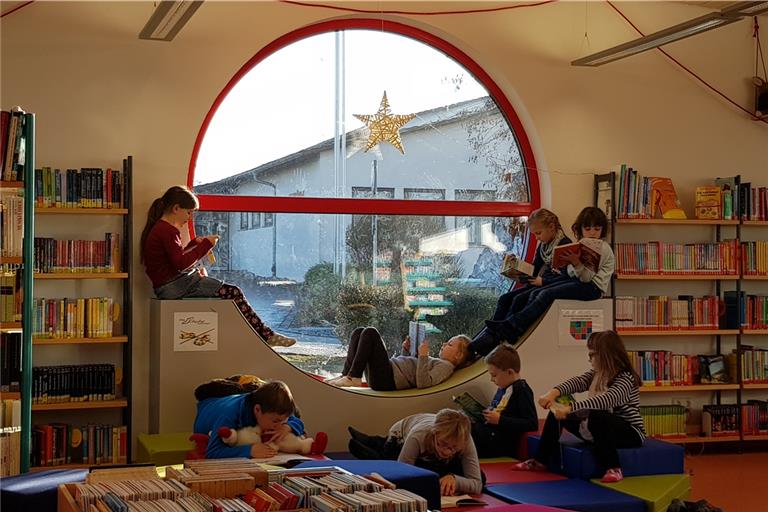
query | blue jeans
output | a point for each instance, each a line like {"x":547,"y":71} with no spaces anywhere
{"x":511,"y":327}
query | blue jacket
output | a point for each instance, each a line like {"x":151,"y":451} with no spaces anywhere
{"x":233,"y":412}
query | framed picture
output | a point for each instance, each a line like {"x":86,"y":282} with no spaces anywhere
{"x":604,"y":185}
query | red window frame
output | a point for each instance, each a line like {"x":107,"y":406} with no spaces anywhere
{"x":322,"y":205}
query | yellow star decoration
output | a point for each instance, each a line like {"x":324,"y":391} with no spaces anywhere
{"x":384,"y":125}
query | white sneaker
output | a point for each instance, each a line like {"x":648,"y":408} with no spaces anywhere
{"x":332,"y":380}
{"x":348,"y":382}
{"x":279,"y":340}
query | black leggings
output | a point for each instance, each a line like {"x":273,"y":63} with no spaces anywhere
{"x":230,"y":291}
{"x":367,"y":354}
{"x":609,"y":432}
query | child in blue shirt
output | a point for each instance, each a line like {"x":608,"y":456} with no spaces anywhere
{"x":512,"y":411}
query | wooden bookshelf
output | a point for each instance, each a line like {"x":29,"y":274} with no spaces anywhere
{"x":757,"y":332}
{"x":79,"y":341}
{"x":755,"y":278}
{"x":678,"y":277}
{"x":10,"y":395}
{"x":34,"y":469}
{"x":761,"y":437}
{"x":63,"y":406}
{"x":10,"y":326}
{"x":763,"y":223}
{"x":755,"y":386}
{"x":694,"y":387}
{"x":678,"y":332}
{"x":701,"y":439}
{"x":81,"y":211}
{"x":82,"y":275}
{"x":10,"y":260}
{"x":681,"y":222}
{"x":11,"y":184}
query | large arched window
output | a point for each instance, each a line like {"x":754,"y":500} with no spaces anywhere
{"x":325,"y":231}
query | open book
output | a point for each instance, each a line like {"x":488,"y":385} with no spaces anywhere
{"x":463,"y":500}
{"x":417,"y":331}
{"x":471,"y":406}
{"x":516,"y":268}
{"x":588,"y":249}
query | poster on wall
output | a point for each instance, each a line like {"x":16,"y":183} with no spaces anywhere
{"x":575,"y":326}
{"x":197,"y":331}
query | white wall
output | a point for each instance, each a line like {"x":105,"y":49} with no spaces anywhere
{"x":100,"y":94}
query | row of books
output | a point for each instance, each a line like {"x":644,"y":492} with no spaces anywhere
{"x":10,"y":414}
{"x":56,"y":444}
{"x":639,"y":196}
{"x":10,"y":361}
{"x":57,"y":256}
{"x":79,"y":188}
{"x":754,"y":418}
{"x":667,"y":313}
{"x":671,"y":258}
{"x":12,"y":144}
{"x":754,"y":258}
{"x":664,"y":420}
{"x":10,"y":452}
{"x":73,"y":383}
{"x":11,"y":222}
{"x":729,"y":199}
{"x":118,"y":492}
{"x":92,"y":317}
{"x":10,"y":293}
{"x":663,"y":368}
{"x":751,"y":312}
{"x":754,"y":364}
{"x":720,"y":420}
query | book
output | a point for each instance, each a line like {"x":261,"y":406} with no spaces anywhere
{"x":471,"y":406}
{"x":588,"y":250}
{"x":417,"y":331}
{"x":709,"y":202}
{"x":463,"y":500}
{"x":664,"y":197}
{"x":516,"y":268}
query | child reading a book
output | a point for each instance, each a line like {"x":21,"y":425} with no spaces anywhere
{"x":579,"y":283}
{"x":512,"y":411}
{"x":270,"y":407}
{"x":367,"y":354}
{"x":609,"y":417}
{"x":545,"y":227}
{"x":172,"y":266}
{"x":439,"y":442}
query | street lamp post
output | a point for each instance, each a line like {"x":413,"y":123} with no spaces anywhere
{"x":274,"y":227}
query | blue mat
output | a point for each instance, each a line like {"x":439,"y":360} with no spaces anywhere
{"x":574,"y":494}
{"x":36,"y":491}
{"x":417,"y":480}
{"x":653,"y":458}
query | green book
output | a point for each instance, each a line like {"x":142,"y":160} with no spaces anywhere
{"x":471,"y":406}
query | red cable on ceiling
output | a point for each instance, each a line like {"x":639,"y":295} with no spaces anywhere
{"x":416,"y":13}
{"x":16,"y":8}
{"x":697,"y":77}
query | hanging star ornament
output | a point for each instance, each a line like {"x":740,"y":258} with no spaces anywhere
{"x":384,"y":125}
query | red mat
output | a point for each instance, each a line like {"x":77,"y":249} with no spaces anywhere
{"x":502,"y":473}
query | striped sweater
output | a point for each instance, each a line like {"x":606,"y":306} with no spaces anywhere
{"x":622,"y":397}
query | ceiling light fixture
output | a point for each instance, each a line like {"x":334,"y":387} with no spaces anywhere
{"x":169,"y":17}
{"x":675,"y":33}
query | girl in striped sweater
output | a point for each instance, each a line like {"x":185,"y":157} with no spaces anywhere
{"x":609,"y":417}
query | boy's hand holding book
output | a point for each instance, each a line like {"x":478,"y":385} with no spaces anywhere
{"x":424,"y":349}
{"x":491,"y":416}
{"x":407,"y":345}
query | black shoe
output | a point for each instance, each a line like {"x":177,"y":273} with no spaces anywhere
{"x":361,"y":451}
{"x":677,"y":505}
{"x":356,"y":434}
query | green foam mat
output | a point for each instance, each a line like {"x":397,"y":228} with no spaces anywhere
{"x":657,"y":491}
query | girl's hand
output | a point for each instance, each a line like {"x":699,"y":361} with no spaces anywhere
{"x":491,"y":417}
{"x":572,"y":258}
{"x":198,"y":239}
{"x":546,"y":400}
{"x":262,"y":451}
{"x":561,"y":411}
{"x":202,"y":272}
{"x":214,"y":239}
{"x":424,"y":349}
{"x":407,"y":345}
{"x":448,"y":485}
{"x":536,"y":281}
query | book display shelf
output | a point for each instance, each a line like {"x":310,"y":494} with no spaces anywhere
{"x":690,"y":339}
{"x":80,"y":322}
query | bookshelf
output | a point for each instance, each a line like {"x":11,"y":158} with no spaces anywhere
{"x":650,"y":321}
{"x":82,"y":316}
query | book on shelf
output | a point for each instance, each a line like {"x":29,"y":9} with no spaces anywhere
{"x":14,"y":147}
{"x":714,"y":369}
{"x":516,"y":268}
{"x":709,"y":203}
{"x":471,"y":406}
{"x":462,"y":500}
{"x":587,"y":249}
{"x":729,"y":189}
{"x":664,"y":197}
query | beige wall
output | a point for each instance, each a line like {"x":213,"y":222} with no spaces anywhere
{"x":100,"y":93}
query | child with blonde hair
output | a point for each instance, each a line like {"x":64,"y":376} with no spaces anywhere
{"x":172,"y":266}
{"x":578,"y":283}
{"x":367,"y":354}
{"x":511,"y":412}
{"x":439,"y":442}
{"x":545,"y":227}
{"x":609,"y":417}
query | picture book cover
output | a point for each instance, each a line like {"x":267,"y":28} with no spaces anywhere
{"x":664,"y":196}
{"x":708,"y":202}
{"x":588,"y":250}
{"x":516,"y":268}
{"x":417,"y":331}
{"x":471,"y":406}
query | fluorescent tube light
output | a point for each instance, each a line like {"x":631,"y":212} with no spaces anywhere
{"x":169,"y":17}
{"x":746,"y":8}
